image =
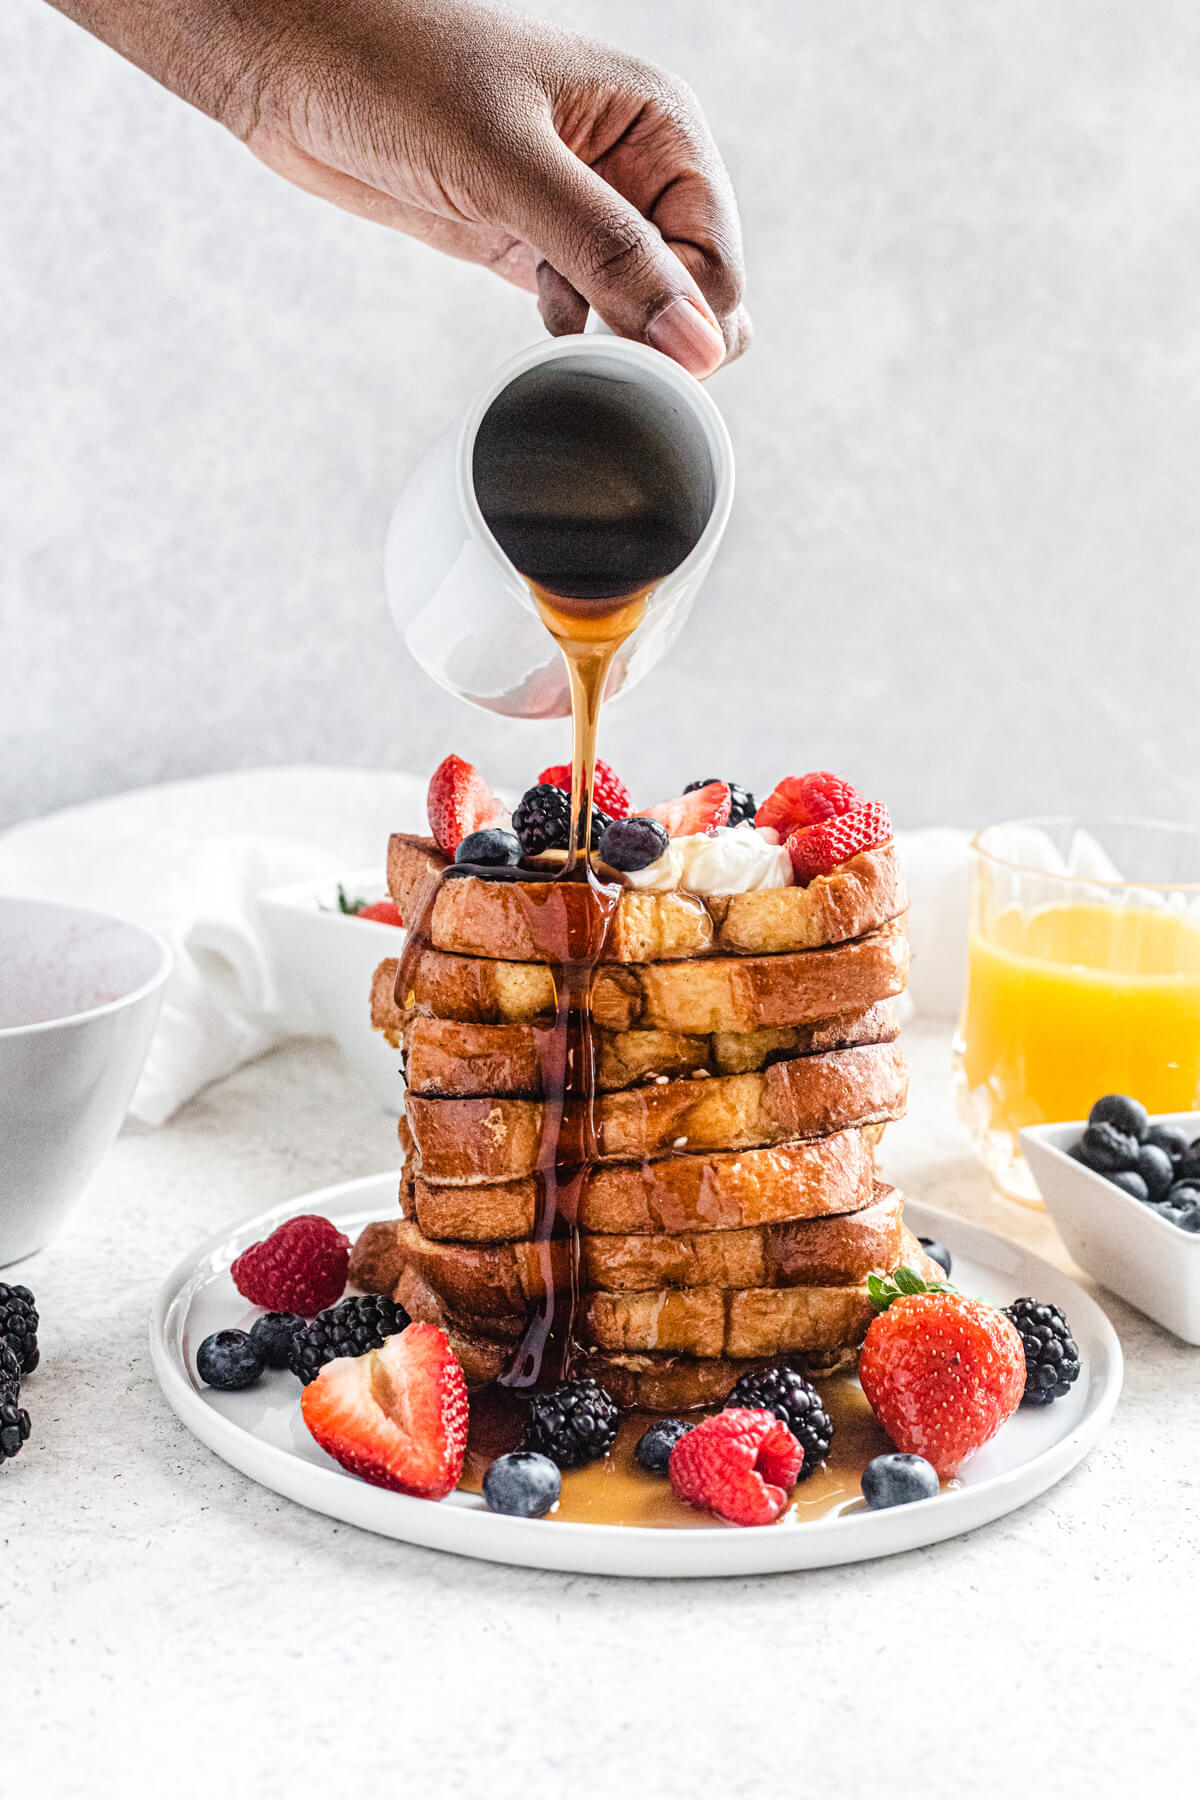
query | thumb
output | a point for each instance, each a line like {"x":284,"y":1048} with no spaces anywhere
{"x":617,"y":260}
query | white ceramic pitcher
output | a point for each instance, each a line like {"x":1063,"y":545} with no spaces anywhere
{"x":462,"y":607}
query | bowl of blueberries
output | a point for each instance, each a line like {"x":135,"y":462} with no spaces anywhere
{"x":1123,"y":1188}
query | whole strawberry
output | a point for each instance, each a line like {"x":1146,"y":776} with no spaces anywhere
{"x":301,"y":1268}
{"x":942,"y":1372}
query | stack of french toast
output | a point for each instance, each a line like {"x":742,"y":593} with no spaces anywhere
{"x":745,"y":1064}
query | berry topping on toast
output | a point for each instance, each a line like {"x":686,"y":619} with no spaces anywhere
{"x":396,"y":1416}
{"x":704,"y":809}
{"x":300,"y":1268}
{"x":819,"y":849}
{"x":802,"y":800}
{"x":460,"y":802}
{"x":740,"y":1465}
{"x":942,"y":1372}
{"x":609,"y":793}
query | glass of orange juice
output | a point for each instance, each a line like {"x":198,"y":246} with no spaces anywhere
{"x":1083,"y":978}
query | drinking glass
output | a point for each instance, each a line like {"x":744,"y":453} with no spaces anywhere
{"x":1083,"y":978}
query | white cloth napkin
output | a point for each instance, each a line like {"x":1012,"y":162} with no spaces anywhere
{"x":189,"y":857}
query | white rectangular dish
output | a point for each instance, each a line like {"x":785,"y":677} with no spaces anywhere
{"x":1122,"y":1242}
{"x":333,"y":956}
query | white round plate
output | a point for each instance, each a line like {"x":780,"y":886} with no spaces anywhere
{"x":261,"y":1431}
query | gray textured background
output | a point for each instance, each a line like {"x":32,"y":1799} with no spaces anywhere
{"x":965,"y":558}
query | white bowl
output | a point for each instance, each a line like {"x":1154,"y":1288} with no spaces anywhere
{"x":80,"y":994}
{"x":333,"y":956}
{"x":1122,"y":1242}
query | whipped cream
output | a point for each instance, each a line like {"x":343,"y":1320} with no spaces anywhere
{"x":733,"y":859}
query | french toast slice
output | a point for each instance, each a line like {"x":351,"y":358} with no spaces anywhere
{"x":495,"y":1279}
{"x":653,"y":1380}
{"x":463,"y":1142}
{"x":724,"y":1191}
{"x":699,"y":997}
{"x":704,"y":1322}
{"x":455,"y":1057}
{"x":473,"y":916}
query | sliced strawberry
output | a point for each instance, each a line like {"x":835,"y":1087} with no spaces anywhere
{"x":460,"y":802}
{"x":383,"y":912}
{"x":702,"y":810}
{"x":806,"y":800}
{"x":819,"y":849}
{"x":396,"y":1416}
{"x":610,"y":793}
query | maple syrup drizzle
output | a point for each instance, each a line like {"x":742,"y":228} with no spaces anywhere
{"x":569,"y":922}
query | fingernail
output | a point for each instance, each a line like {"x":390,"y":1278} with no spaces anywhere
{"x":683,"y":333}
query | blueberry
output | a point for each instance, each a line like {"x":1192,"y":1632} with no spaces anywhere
{"x":654,"y":1447}
{"x":937,"y":1253}
{"x":1184,"y":1193}
{"x":1130,"y":1182}
{"x":1122,"y":1113}
{"x":1105,"y":1148}
{"x":492,"y":849}
{"x":522,"y":1484}
{"x":897,"y":1479}
{"x":273,"y":1335}
{"x":1171,"y":1138}
{"x":630,"y":844}
{"x":229,"y":1360}
{"x":1156,"y":1170}
{"x":1174,"y":1215}
{"x":1189,"y":1219}
{"x":1188,"y":1166}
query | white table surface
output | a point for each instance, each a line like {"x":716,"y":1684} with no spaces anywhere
{"x":167,"y":1627}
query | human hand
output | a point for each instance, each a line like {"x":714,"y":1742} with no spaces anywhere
{"x":565,"y":165}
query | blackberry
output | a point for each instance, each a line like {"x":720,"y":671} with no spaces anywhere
{"x":10,"y":1372}
{"x":742,"y":804}
{"x":785,"y":1393}
{"x":19,"y":1324}
{"x":273,"y":1335}
{"x":1051,"y":1354}
{"x":572,"y":1424}
{"x":14,"y":1428}
{"x":654,"y":1447}
{"x":350,"y":1328}
{"x":542,"y":820}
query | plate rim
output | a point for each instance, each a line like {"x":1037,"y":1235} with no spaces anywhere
{"x":626,"y":1550}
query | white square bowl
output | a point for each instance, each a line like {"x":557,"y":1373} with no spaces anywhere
{"x":1122,"y":1242}
{"x":333,"y":955}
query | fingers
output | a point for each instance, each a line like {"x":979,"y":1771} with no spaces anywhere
{"x":563,"y":311}
{"x":599,"y":245}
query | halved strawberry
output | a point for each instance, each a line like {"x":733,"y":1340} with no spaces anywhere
{"x":807,"y":799}
{"x":396,"y":1416}
{"x":819,"y":849}
{"x":460,"y":802}
{"x":383,"y":912}
{"x":702,"y":810}
{"x":610,"y":793}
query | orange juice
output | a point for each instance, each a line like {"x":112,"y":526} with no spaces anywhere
{"x":1065,"y":1003}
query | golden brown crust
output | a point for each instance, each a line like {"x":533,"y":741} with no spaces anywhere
{"x":717,"y":994}
{"x":706,"y":1322}
{"x":494,"y":1279}
{"x":455,"y":1058}
{"x":476,"y":917}
{"x":492,"y":1140}
{"x":724,"y":1191}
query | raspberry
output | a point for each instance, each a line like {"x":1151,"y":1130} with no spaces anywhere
{"x":300,"y":1268}
{"x":610,"y":793}
{"x":739,"y":1465}
{"x":819,"y":849}
{"x":801,"y":800}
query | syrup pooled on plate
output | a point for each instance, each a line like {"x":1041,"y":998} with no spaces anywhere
{"x":617,"y":1491}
